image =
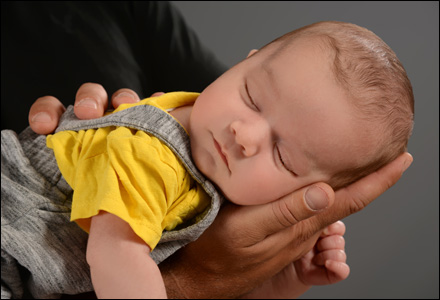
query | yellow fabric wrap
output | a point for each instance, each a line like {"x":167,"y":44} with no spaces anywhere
{"x":130,"y":174}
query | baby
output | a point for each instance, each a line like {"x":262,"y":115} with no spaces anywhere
{"x":328,"y":102}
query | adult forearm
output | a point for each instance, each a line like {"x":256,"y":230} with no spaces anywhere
{"x":171,"y":272}
{"x":190,"y":274}
{"x":184,"y":280}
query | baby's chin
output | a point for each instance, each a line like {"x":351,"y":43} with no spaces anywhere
{"x":228,"y":196}
{"x":243,"y":198}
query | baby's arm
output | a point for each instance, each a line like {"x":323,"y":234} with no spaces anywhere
{"x":120,"y":262}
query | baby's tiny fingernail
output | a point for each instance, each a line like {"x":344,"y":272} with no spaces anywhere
{"x":42,"y":117}
{"x":87,"y":102}
{"x":316,"y":198}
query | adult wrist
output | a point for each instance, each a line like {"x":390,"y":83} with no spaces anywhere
{"x":173,"y":285}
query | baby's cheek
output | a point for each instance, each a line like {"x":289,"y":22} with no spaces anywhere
{"x":259,"y":187}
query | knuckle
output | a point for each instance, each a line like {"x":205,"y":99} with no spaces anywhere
{"x":303,"y":232}
{"x":358,"y":201}
{"x":341,"y":256}
{"x":357,"y":205}
{"x":284,"y":214}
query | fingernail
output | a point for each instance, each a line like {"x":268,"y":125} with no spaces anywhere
{"x":42,"y":117}
{"x":87,"y":102}
{"x":316,"y":198}
{"x":406,"y":164}
{"x":126,"y":95}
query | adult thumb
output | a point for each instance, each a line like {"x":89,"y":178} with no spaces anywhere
{"x":293,"y":208}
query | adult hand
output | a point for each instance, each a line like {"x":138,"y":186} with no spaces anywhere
{"x":248,"y":248}
{"x":91,"y":102}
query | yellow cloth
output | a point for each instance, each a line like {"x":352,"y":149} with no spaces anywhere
{"x":130,"y":174}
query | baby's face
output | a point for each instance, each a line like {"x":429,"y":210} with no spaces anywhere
{"x":270,"y":126}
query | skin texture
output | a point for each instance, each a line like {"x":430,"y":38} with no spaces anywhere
{"x":234,"y":257}
{"x":263,"y":129}
{"x":239,"y":145}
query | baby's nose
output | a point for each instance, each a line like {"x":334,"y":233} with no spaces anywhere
{"x":250,"y":137}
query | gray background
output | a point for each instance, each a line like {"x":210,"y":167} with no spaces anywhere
{"x":393,"y":244}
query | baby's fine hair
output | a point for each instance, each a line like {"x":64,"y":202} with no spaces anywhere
{"x":374,"y":79}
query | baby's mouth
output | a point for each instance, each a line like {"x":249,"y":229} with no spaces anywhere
{"x":221,"y":153}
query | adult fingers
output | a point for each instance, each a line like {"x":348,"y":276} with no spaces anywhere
{"x":287,"y":211}
{"x":122,"y":96}
{"x":91,"y":101}
{"x":361,"y":193}
{"x":293,"y":208}
{"x":45,"y":114}
{"x":157,"y":94}
{"x":346,"y":202}
{"x":358,"y":195}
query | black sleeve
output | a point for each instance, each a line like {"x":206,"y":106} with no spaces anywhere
{"x":51,"y":48}
{"x":176,"y":58}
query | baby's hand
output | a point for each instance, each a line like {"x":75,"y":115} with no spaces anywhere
{"x":326,"y":262}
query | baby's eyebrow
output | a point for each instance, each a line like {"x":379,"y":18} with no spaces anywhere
{"x":310,"y":156}
{"x":270,"y":74}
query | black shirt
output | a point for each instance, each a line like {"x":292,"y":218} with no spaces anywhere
{"x":51,"y":48}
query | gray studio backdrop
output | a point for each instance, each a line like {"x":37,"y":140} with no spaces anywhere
{"x":392,"y":245}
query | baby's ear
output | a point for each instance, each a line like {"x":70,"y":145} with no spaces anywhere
{"x":252,"y":52}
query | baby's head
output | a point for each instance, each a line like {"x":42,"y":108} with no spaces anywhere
{"x":327,"y":102}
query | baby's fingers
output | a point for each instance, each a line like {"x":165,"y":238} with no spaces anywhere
{"x":331,"y":242}
{"x":337,"y":228}
{"x":336,"y":271}
{"x":334,"y":255}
